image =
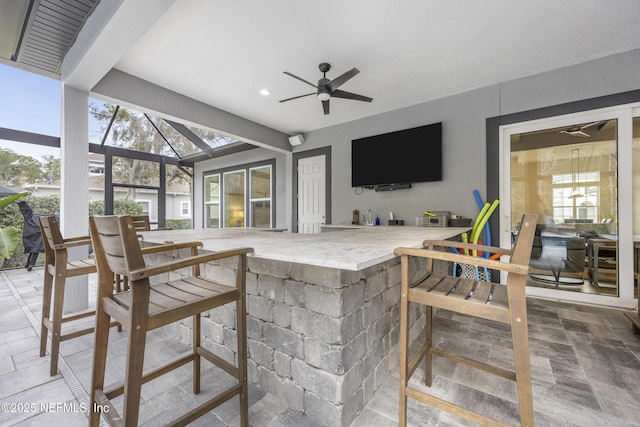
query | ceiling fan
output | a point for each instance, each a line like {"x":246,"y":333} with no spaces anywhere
{"x":579,"y":130}
{"x":327,"y":89}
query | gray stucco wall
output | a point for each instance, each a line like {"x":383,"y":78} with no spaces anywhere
{"x":464,"y":135}
{"x":464,"y":140}
{"x":462,"y":117}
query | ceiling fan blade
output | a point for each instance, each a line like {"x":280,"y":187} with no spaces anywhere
{"x":296,"y":97}
{"x":349,"y":95}
{"x":588,"y":125}
{"x":580,"y":133}
{"x":340,"y":80}
{"x":600,"y":124}
{"x":576,"y":133}
{"x":325,"y":107}
{"x":300,"y":78}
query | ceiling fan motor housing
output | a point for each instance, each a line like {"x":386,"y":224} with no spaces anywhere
{"x":323,"y":92}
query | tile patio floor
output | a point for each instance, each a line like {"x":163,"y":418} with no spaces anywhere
{"x":585,"y":364}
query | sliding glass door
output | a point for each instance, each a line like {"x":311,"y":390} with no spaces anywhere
{"x":636,"y":193}
{"x":574,"y":172}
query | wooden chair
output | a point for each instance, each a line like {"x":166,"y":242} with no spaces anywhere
{"x":486,"y":300}
{"x":148,"y":306}
{"x":57,"y":269}
{"x":141,"y":222}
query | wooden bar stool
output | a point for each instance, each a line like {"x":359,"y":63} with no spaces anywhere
{"x":147,"y":306}
{"x":143,"y":223}
{"x":493,"y":301}
{"x":140,"y":223}
{"x":57,"y":269}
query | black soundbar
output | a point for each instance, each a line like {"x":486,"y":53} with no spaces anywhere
{"x":391,"y":187}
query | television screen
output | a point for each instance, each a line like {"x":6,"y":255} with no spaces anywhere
{"x":402,"y":157}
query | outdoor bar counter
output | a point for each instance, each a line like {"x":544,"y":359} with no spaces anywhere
{"x":323,"y":310}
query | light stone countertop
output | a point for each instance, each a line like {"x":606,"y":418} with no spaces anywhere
{"x":348,"y":249}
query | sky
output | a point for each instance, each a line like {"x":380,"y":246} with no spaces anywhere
{"x":31,"y":103}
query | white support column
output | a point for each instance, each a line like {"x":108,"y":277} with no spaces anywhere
{"x":74,"y":194}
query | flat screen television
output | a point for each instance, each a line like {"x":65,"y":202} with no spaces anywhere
{"x":402,"y":157}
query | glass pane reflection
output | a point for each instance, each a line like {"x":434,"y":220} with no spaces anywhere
{"x":568,"y":176}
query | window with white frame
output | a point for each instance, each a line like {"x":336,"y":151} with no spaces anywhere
{"x":566,"y":205}
{"x":146,"y":207}
{"x":260,"y":196}
{"x":240,"y":196}
{"x":185,"y":208}
{"x":234,"y":186}
{"x":212,"y":201}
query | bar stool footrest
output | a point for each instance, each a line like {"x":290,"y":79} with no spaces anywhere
{"x":452,"y":408}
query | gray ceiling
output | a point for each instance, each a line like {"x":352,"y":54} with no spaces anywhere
{"x":223,"y":52}
{"x":38,"y":33}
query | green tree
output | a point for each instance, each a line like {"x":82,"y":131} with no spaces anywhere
{"x":45,"y":205}
{"x":136,"y":131}
{"x":50,"y":168}
{"x":11,"y":217}
{"x":50,"y":205}
{"x":133,"y":131}
{"x":17,"y":170}
{"x":9,"y":236}
{"x":96,"y":207}
{"x":120,"y":207}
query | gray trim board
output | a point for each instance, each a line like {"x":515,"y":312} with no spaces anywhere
{"x":29,"y":137}
{"x":139,"y":155}
{"x":326,"y":151}
{"x":187,"y":133}
{"x":237,"y":147}
{"x":124,"y":89}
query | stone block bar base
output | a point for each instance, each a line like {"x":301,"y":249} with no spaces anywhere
{"x":321,"y":339}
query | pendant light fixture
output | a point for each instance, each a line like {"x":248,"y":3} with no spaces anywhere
{"x":575,"y":193}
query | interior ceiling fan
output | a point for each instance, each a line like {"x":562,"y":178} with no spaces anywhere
{"x":579,"y":130}
{"x":327,"y":89}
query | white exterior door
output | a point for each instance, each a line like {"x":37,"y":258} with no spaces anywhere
{"x":311,"y":194}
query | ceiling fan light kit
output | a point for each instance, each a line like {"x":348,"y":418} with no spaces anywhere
{"x":327,"y":89}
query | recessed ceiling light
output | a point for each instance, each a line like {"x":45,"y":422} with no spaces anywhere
{"x":265,"y":92}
